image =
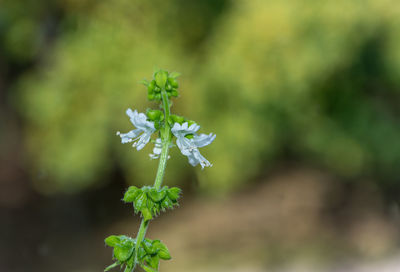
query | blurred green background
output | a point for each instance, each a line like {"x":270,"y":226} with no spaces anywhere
{"x":304,"y":97}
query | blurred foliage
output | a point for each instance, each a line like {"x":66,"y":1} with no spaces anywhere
{"x":314,"y":81}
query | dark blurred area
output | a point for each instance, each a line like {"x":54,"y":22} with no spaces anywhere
{"x":304,"y":97}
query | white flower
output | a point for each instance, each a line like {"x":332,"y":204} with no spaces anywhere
{"x":141,"y":135}
{"x":157,"y":149}
{"x":189,"y":146}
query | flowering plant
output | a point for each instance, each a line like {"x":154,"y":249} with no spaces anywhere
{"x":149,"y":201}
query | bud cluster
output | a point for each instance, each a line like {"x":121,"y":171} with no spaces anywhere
{"x":162,"y":80}
{"x":149,"y":201}
{"x":148,"y":256}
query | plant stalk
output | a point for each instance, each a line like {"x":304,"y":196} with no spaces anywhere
{"x":166,"y":141}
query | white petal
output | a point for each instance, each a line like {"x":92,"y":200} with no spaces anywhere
{"x":184,"y":145}
{"x":203,"y":139}
{"x":193,"y":128}
{"x":144,"y":139}
{"x":131,"y":113}
{"x":127,"y":137}
{"x":203,"y":161}
{"x":192,"y":160}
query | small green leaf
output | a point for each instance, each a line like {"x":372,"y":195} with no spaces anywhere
{"x":163,"y":251}
{"x":140,"y":201}
{"x":167,"y":203}
{"x":155,"y":195}
{"x":174,"y":74}
{"x":148,"y":247}
{"x":142,"y":253}
{"x":153,"y":261}
{"x":112,"y":240}
{"x":147,"y":269}
{"x":122,"y":253}
{"x":173,"y":193}
{"x":131,"y":194}
{"x":145,"y":82}
{"x":146,"y":214}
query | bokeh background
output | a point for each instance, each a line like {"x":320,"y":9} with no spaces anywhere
{"x":304,"y":97}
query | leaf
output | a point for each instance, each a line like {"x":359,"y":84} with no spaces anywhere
{"x":174,"y":74}
{"x":147,"y":269}
{"x":124,"y":252}
{"x":145,"y":82}
{"x":155,"y":195}
{"x":174,"y":193}
{"x":163,"y":251}
{"x":153,"y":261}
{"x":167,"y":203}
{"x":146,"y":214}
{"x":131,"y":194}
{"x":112,"y":240}
{"x":148,"y":247}
{"x":140,"y":201}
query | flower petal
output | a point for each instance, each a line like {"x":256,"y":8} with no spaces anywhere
{"x":203,"y":139}
{"x":128,"y":137}
{"x":143,"y":140}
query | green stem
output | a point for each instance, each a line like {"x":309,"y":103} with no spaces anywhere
{"x":166,"y":141}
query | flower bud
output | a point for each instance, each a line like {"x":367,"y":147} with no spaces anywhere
{"x":173,"y":82}
{"x":151,"y":86}
{"x":161,"y":78}
{"x":155,"y":115}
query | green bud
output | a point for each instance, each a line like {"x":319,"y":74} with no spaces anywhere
{"x":173,"y":193}
{"x":112,"y":240}
{"x":161,"y":78}
{"x":151,"y":97}
{"x":157,"y":96}
{"x":174,"y":93}
{"x":190,"y":122}
{"x":173,"y":82}
{"x":157,"y":89}
{"x":131,"y":194}
{"x":168,"y":87}
{"x":176,"y":119}
{"x":155,"y":115}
